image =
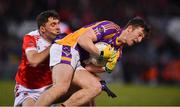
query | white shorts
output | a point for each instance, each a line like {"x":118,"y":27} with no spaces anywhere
{"x":22,"y":93}
{"x":64,"y":55}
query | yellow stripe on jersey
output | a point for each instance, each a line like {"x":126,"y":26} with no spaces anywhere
{"x":71,"y":39}
{"x":65,"y":58}
{"x":109,"y":36}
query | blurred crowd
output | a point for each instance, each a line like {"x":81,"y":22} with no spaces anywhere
{"x":154,"y":61}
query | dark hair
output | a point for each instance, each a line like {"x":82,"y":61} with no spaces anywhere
{"x":42,"y":18}
{"x":139,"y":22}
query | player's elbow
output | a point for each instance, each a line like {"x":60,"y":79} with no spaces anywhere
{"x":34,"y":63}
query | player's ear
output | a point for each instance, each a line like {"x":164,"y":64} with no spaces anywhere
{"x":129,"y":28}
{"x":42,"y":29}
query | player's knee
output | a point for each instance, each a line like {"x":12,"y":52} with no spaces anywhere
{"x":96,"y":88}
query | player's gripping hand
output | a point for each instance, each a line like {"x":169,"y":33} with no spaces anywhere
{"x":110,"y":65}
{"x":107,"y":52}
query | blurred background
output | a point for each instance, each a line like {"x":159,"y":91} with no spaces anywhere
{"x":154,"y":62}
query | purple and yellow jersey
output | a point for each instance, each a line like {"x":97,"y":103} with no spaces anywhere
{"x":106,"y":31}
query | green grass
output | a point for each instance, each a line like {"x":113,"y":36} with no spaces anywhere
{"x":6,"y":93}
{"x":127,"y":95}
{"x":141,"y":95}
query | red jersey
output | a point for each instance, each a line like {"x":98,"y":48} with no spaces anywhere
{"x":33,"y":77}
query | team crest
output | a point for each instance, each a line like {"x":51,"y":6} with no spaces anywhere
{"x":101,"y":29}
{"x":66,"y":51}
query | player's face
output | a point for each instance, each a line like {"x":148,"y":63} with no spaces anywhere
{"x":135,"y":35}
{"x":52,"y":28}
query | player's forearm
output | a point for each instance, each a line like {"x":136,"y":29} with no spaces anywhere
{"x":89,"y":47}
{"x":94,"y":69}
{"x":86,"y":42}
{"x":36,"y":58}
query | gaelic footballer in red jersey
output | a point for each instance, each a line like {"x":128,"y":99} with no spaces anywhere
{"x":34,"y":75}
{"x":28,"y":75}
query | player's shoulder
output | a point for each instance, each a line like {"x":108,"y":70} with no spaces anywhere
{"x":111,"y":23}
{"x":31,"y":35}
{"x":106,"y":21}
{"x":34,"y":33}
{"x":60,"y":36}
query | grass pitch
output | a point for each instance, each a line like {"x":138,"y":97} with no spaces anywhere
{"x":133,"y":95}
{"x":128,"y":95}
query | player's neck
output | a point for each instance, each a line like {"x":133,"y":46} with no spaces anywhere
{"x":45,"y":37}
{"x":122,"y":37}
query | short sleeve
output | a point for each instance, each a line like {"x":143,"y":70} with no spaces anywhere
{"x":29,"y":43}
{"x":104,"y":29}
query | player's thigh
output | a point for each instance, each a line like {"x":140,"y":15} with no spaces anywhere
{"x":62,"y":74}
{"x":85,"y":79}
{"x":74,"y":88}
{"x":28,"y":102}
